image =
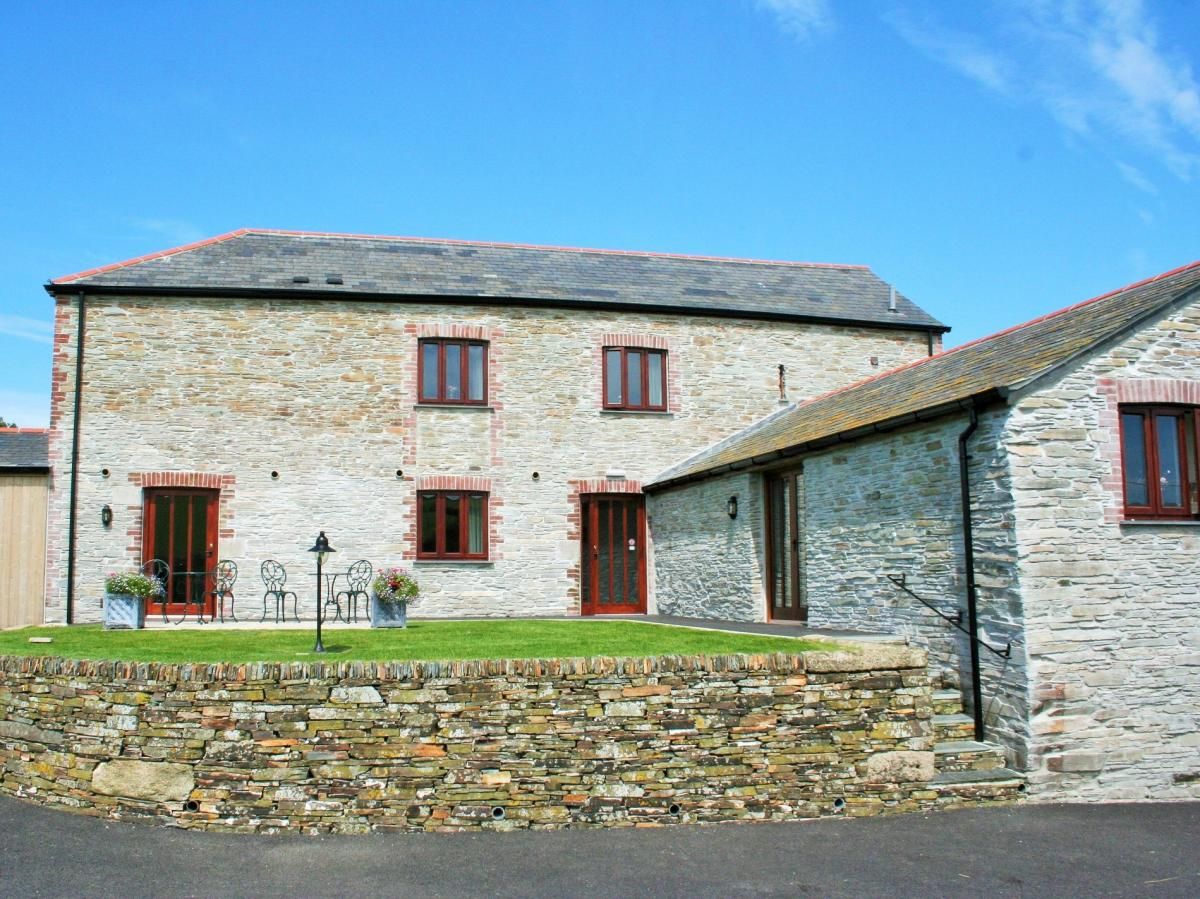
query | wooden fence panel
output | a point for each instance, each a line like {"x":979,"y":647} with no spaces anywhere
{"x":22,"y":548}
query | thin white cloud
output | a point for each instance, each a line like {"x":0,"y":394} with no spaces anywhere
{"x":34,"y":329}
{"x":1135,"y":177}
{"x":957,"y":49}
{"x":802,"y":19}
{"x":1098,"y":67}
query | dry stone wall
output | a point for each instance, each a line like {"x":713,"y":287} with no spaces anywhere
{"x":324,"y":395}
{"x":468,"y":745}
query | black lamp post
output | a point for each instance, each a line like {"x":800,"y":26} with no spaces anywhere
{"x":322,"y":549}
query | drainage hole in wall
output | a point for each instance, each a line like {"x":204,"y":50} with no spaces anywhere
{"x":1021,"y":788}
{"x":536,"y":476}
{"x":399,"y":472}
{"x":104,"y":472}
{"x":274,"y":476}
{"x":497,"y":813}
{"x":839,"y":804}
{"x":191,"y":806}
{"x":674,"y":809}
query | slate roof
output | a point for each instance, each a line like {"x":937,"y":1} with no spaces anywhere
{"x":989,"y":367}
{"x":24,"y":449}
{"x":297,"y":264}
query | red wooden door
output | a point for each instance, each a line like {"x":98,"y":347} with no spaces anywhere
{"x":181,"y":529}
{"x":614,"y":555}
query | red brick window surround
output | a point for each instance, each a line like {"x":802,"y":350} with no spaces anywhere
{"x":1159,"y":460}
{"x":452,"y":371}
{"x":635,"y":378}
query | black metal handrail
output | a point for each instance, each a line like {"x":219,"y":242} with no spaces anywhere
{"x":900,"y":581}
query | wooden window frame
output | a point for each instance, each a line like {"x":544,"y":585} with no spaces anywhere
{"x":1188,"y":417}
{"x":464,"y":374}
{"x":439,"y":553}
{"x":625,"y":405}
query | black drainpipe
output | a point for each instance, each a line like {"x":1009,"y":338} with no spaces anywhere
{"x":75,"y":462}
{"x":969,"y":564}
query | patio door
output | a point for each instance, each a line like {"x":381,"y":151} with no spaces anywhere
{"x":785,"y":582}
{"x":614,"y":555}
{"x":181,"y":529}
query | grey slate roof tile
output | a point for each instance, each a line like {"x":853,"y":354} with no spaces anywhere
{"x":24,"y":448}
{"x":1005,"y":360}
{"x":414,"y":267}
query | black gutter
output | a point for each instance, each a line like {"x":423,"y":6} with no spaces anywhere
{"x":284,"y":293}
{"x":75,"y":460}
{"x":969,"y":565}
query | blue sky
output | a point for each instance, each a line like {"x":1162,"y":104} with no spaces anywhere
{"x":994,"y":160}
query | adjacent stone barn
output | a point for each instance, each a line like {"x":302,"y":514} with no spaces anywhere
{"x":483,"y":413}
{"x":24,"y":479}
{"x":1037,"y":489}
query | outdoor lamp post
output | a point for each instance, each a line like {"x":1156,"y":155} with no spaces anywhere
{"x":322,"y":549}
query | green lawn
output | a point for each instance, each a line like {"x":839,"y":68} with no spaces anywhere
{"x":499,"y":639}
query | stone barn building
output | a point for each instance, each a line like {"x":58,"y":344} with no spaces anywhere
{"x":1037,"y":488}
{"x":483,"y":413}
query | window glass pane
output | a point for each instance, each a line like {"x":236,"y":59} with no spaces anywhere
{"x":633,"y":383}
{"x":1170,"y":483}
{"x":1133,"y":459}
{"x":453,"y":523}
{"x":475,"y":360}
{"x":428,"y":523}
{"x":612,"y":377}
{"x":475,"y":526}
{"x":429,"y":371}
{"x":178,"y":560}
{"x":453,"y":371}
{"x":654,"y":374}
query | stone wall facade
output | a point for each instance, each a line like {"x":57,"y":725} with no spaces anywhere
{"x":707,"y":565}
{"x":1112,"y":609}
{"x":892,"y":505}
{"x":304,"y":414}
{"x":469,"y":745}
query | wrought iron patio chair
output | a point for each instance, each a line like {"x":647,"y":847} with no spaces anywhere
{"x":159,"y":569}
{"x":195,"y":584}
{"x":223,"y":577}
{"x":358,"y":586}
{"x":274,"y":577}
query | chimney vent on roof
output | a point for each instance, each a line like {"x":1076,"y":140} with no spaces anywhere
{"x":891,"y":298}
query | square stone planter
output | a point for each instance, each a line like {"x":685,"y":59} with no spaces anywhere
{"x":124,"y":611}
{"x":388,"y":614}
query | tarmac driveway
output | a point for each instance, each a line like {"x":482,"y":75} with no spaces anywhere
{"x":1075,"y":850}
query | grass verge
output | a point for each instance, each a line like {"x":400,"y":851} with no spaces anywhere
{"x":421,"y":640}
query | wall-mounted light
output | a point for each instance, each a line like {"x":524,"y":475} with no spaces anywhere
{"x":106,"y":515}
{"x":731,"y":507}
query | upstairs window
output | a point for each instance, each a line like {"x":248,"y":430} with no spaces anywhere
{"x":1159,"y":461}
{"x":635,"y":379}
{"x":453,"y":371}
{"x":452,"y":525}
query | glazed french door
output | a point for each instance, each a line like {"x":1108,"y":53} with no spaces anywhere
{"x":181,"y":529}
{"x":614,"y":555}
{"x":785,"y":584}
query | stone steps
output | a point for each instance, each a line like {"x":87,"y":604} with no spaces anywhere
{"x":953,"y":727}
{"x":947,"y":702}
{"x":969,"y":772}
